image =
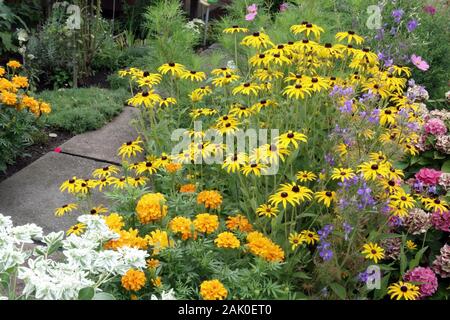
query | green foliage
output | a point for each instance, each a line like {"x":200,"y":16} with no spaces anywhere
{"x":16,"y":132}
{"x":7,"y":20}
{"x":84,"y":109}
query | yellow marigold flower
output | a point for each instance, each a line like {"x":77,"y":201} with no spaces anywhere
{"x":157,"y":282}
{"x":240,"y":223}
{"x":2,"y":71}
{"x":59,"y":212}
{"x":205,"y":222}
{"x":404,"y":290}
{"x":128,"y":238}
{"x":182,"y":225}
{"x":151,"y":207}
{"x":14,"y":64}
{"x":173,"y":167}
{"x":227,"y":240}
{"x":210,"y":198}
{"x":373,"y":252}
{"x":188,"y":188}
{"x":8,"y":98}
{"x":114,"y":221}
{"x":76,"y":229}
{"x":20,"y":82}
{"x":213,"y":290}
{"x":260,"y":245}
{"x":159,"y":240}
{"x":45,"y":107}
{"x":133,"y":280}
{"x":153,"y":263}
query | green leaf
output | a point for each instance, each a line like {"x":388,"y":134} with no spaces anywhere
{"x":446,"y":166}
{"x":339,"y":290}
{"x":86,"y":293}
{"x":103,"y":296}
{"x":415,"y":262}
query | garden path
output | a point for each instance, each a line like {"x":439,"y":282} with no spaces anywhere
{"x":32,"y":194}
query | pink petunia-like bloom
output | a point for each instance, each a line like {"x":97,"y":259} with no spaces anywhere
{"x":430,"y":9}
{"x":426,"y":279}
{"x":441,"y":220}
{"x":428,"y":176}
{"x":284,"y":6}
{"x":419,"y":63}
{"x":435,"y":126}
{"x":252,"y":11}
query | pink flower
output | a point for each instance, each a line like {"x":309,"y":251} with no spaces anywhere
{"x":435,"y":126}
{"x":57,"y":150}
{"x":284,"y":6}
{"x":441,"y":220}
{"x":419,"y":62}
{"x":252,"y":11}
{"x":429,"y":9}
{"x":428,"y":176}
{"x":426,"y":279}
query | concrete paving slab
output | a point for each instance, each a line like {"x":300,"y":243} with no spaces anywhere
{"x":32,"y":194}
{"x":102,"y":144}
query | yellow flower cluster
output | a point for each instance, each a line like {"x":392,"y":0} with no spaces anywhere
{"x":133,"y":280}
{"x":213,"y":290}
{"x":182,"y":225}
{"x":227,"y":240}
{"x":210,"y":199}
{"x":205,"y":222}
{"x":151,"y":207}
{"x":260,"y":245}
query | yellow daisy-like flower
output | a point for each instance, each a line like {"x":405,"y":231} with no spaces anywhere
{"x":175,"y":69}
{"x":307,"y":28}
{"x":213,"y":290}
{"x":402,"y":200}
{"x":59,"y":212}
{"x":295,"y":239}
{"x":227,"y":240}
{"x":205,"y":222}
{"x":224,"y":80}
{"x":146,"y":98}
{"x":371,"y":170}
{"x":233,"y":162}
{"x":284,"y":197}
{"x":253,"y":168}
{"x":267,"y":210}
{"x":222,"y":71}
{"x":296,"y":91}
{"x":76,"y":229}
{"x":291,"y":137}
{"x":193,"y":75}
{"x":133,"y":280}
{"x":404,"y":290}
{"x":306,"y":176}
{"x":436,"y":204}
{"x":410,"y":245}
{"x":247,"y":89}
{"x":373,"y":252}
{"x":342,"y":174}
{"x":235,"y":29}
{"x":165,"y":102}
{"x":131,"y":148}
{"x":257,"y":40}
{"x":326,"y":197}
{"x":105,"y":172}
{"x":351,"y":36}
{"x":310,"y":237}
{"x":98,"y":210}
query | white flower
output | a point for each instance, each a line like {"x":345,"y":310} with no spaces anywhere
{"x":22,"y":35}
{"x":132,"y":258}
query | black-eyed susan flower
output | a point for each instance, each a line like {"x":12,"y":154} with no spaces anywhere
{"x":373,"y":251}
{"x":150,"y":166}
{"x":295,"y":239}
{"x":233,"y":162}
{"x":102,"y":183}
{"x":69,"y":185}
{"x":149,"y":80}
{"x":342,"y":174}
{"x":235,"y":29}
{"x":222,"y":71}
{"x":306,"y":176}
{"x":59,"y":212}
{"x":257,"y":40}
{"x":376,"y":88}
{"x":76,"y":229}
{"x":435,"y":204}
{"x":253,"y":168}
{"x":131,"y":148}
{"x":193,"y":75}
{"x":165,"y":102}
{"x":224,"y":80}
{"x":175,"y":69}
{"x":241,"y":110}
{"x":309,"y":236}
{"x":296,"y":91}
{"x":399,"y":70}
{"x":267,"y":74}
{"x":315,"y":83}
{"x":260,"y":59}
{"x":83,"y":186}
{"x":257,"y":107}
{"x":371,"y":170}
{"x":105,"y":171}
{"x":300,"y":192}
{"x":118,"y":183}
{"x":403,"y":290}
{"x":351,"y":36}
{"x":284,"y":197}
{"x":100,"y":209}
{"x":402,"y":200}
{"x":137,"y":181}
{"x":247,"y":88}
{"x":325,"y":197}
{"x":146,"y":98}
{"x":291,"y":137}
{"x":267,"y":210}
{"x":307,"y":28}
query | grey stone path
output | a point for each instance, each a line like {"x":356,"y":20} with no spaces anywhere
{"x":32,"y":194}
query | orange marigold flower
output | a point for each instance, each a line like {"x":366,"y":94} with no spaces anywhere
{"x":227,"y":240}
{"x":153,"y":263}
{"x":260,"y":245}
{"x":181,"y":225}
{"x":151,"y":207}
{"x":210,"y":198}
{"x":128,"y":238}
{"x":205,"y":222}
{"x":172,"y":167}
{"x":239,"y":222}
{"x":157,"y":282}
{"x":188,"y":188}
{"x":213,"y":290}
{"x":133,"y":280}
{"x":114,"y":221}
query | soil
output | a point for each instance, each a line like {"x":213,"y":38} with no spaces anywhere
{"x":36,"y":151}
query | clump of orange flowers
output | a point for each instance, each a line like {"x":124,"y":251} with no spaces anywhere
{"x":151,"y":207}
{"x":172,"y":167}
{"x":239,"y":222}
{"x":128,"y":238}
{"x":133,"y":280}
{"x":227,"y":240}
{"x":213,"y":290}
{"x":260,"y":245}
{"x":183,"y":226}
{"x":210,"y":199}
{"x":187,"y":188}
{"x":205,"y":222}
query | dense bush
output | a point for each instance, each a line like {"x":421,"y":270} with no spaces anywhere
{"x":83,"y":109}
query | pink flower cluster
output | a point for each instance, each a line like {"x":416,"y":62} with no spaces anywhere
{"x":252,"y":11}
{"x":435,"y":127}
{"x":427,"y":279}
{"x":441,"y":220}
{"x":428,"y":176}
